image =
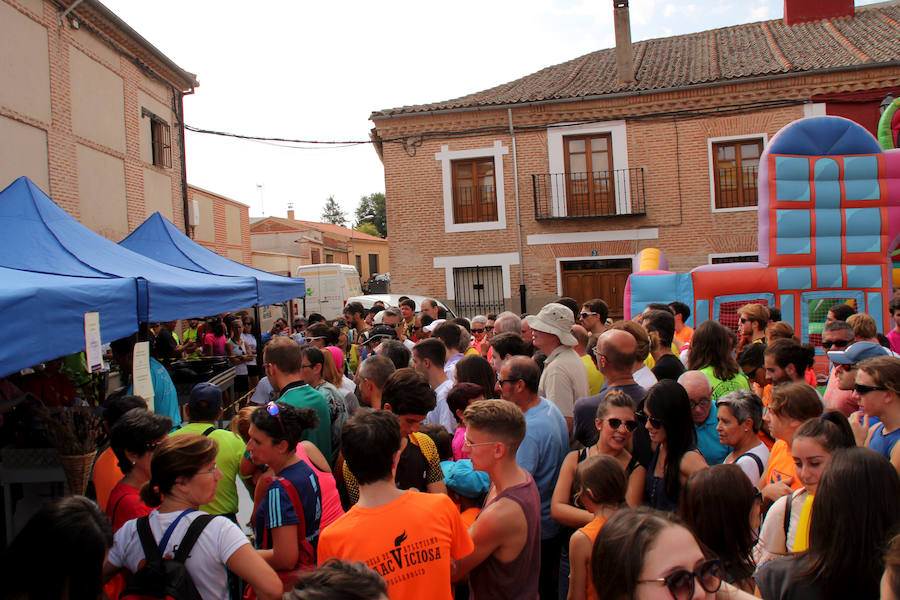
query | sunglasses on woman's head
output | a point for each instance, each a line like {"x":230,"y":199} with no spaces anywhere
{"x":272,"y":409}
{"x":681,"y":582}
{"x":643,"y":419}
{"x":616,"y":423}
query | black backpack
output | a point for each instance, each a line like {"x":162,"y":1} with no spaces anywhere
{"x":165,"y":578}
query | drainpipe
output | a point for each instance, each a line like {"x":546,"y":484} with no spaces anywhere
{"x":178,"y":108}
{"x":512,"y":134}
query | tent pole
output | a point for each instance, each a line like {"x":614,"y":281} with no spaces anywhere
{"x":257,"y":333}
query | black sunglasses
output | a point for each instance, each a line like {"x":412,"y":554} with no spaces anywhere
{"x":862,"y":390}
{"x":477,"y":330}
{"x":616,"y":423}
{"x":836,"y":344}
{"x":643,"y":419}
{"x":681,"y":582}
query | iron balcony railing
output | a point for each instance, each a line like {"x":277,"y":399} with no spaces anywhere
{"x":736,"y":188}
{"x":596,"y":194}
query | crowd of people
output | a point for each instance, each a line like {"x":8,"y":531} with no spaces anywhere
{"x":404,"y":454}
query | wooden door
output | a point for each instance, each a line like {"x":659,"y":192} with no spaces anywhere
{"x":606,"y":284}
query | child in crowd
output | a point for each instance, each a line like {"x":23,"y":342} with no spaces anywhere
{"x":466,"y":487}
{"x":601,"y":484}
{"x":441,"y":438}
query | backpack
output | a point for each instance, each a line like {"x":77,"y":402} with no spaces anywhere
{"x":165,"y":578}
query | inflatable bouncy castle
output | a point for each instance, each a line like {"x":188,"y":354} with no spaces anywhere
{"x":829,"y":220}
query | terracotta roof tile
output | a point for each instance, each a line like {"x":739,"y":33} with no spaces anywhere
{"x":258,"y":226}
{"x":872,"y":36}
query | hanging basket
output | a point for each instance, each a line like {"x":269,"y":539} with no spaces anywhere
{"x":78,"y":471}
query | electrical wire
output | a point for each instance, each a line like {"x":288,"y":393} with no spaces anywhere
{"x":415,"y":140}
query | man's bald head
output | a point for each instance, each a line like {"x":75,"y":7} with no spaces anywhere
{"x":619,"y":348}
{"x":581,"y":337}
{"x":696,"y":383}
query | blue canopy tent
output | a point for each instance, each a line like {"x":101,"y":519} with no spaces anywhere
{"x":43,"y":238}
{"x":159,"y":239}
{"x":44,"y":314}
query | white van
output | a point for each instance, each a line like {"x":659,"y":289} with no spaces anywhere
{"x":328,"y":286}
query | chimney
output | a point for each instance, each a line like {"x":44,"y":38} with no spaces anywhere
{"x":290,"y":211}
{"x":624,"y":53}
{"x":804,"y":11}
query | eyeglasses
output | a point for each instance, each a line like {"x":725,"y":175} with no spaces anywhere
{"x":700,"y":402}
{"x":469,"y":444}
{"x":478,"y":330}
{"x":644,"y":418}
{"x":617,"y":423}
{"x":837,"y":344}
{"x":489,"y":327}
{"x":585,"y":315}
{"x":681,"y":582}
{"x":862,"y":390}
{"x":272,"y":409}
{"x":208,"y":471}
{"x":502,"y":381}
{"x":757,"y":495}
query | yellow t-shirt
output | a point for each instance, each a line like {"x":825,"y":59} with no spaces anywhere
{"x":595,"y":377}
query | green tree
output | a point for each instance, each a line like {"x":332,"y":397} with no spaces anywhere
{"x":371,"y":209}
{"x":332,"y":213}
{"x":366,"y":227}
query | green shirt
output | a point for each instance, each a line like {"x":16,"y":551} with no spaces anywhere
{"x":722,"y":387}
{"x":228,"y":460}
{"x":305,"y":396}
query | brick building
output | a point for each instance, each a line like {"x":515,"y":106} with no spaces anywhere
{"x":281,"y":245}
{"x":91,"y":112}
{"x":221,"y":224}
{"x":554,"y":181}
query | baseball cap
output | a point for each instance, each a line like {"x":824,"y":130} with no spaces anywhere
{"x":205,"y":398}
{"x":381,"y":332}
{"x":434,"y":325}
{"x":857,"y":352}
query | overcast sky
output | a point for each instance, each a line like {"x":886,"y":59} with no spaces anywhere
{"x":304,"y":70}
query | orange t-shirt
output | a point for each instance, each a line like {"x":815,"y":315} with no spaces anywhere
{"x":105,"y":476}
{"x":469,"y":515}
{"x":684,"y":336}
{"x":781,"y":466}
{"x":591,"y":530}
{"x":411,"y":542}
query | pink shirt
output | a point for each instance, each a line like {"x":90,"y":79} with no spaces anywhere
{"x":893,"y":337}
{"x":456,"y":444}
{"x":331,"y":500}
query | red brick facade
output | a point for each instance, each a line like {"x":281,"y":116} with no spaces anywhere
{"x":143,"y":73}
{"x":667,"y":134}
{"x":236,"y":248}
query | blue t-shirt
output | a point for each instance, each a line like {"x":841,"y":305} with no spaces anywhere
{"x":277,"y":510}
{"x":884,"y":443}
{"x":708,"y":439}
{"x":165,"y":398}
{"x":542,"y":452}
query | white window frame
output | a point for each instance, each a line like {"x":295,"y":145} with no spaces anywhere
{"x":559,"y":261}
{"x":446,"y":157}
{"x":711,"y":256}
{"x":712,"y":174}
{"x":557,"y":160}
{"x":448,"y":263}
